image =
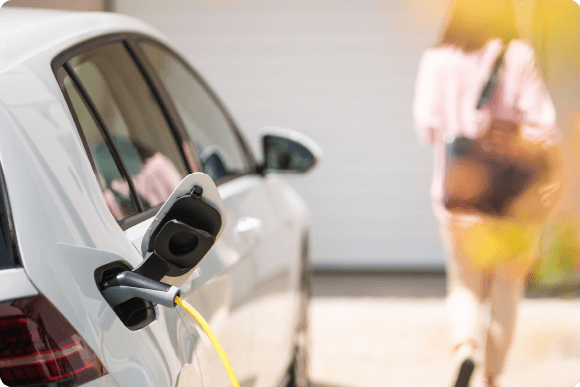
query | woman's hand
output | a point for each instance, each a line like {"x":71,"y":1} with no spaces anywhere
{"x":549,"y":194}
{"x":539,"y":200}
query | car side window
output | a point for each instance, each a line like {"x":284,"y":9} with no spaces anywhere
{"x":120,"y":202}
{"x":135,"y":122}
{"x":218,"y":147}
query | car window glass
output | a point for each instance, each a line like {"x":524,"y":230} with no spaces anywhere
{"x":7,"y":258}
{"x":113,"y":184}
{"x":134,"y":119}
{"x":217,"y":144}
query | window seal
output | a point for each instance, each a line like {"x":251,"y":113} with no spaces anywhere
{"x":134,"y":220}
{"x":106,"y":135}
{"x":99,"y":40}
{"x":87,"y":45}
{"x":251,"y":161}
{"x":130,"y":40}
{"x":60,"y":80}
{"x":12,"y":244}
{"x":161,"y":99}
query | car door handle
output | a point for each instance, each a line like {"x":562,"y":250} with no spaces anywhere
{"x":249,"y":228}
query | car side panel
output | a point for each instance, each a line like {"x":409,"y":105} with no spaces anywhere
{"x":278,"y":269}
{"x":65,"y":230}
{"x":15,"y":284}
{"x":221,"y":289}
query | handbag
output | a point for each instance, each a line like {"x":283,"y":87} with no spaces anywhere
{"x":487,"y":175}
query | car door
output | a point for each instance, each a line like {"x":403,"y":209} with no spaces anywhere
{"x":139,"y":154}
{"x":263,"y":228}
{"x":137,"y":161}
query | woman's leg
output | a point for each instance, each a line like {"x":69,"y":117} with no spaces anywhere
{"x":507,"y":290}
{"x":467,"y":288}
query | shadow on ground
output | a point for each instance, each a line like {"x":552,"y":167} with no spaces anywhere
{"x":378,"y":284}
{"x":410,"y":285}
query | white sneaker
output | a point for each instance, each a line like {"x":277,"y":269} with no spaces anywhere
{"x":486,"y":383}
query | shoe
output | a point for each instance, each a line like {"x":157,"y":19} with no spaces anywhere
{"x":485,"y":383}
{"x":464,"y":360}
{"x":465,"y":372}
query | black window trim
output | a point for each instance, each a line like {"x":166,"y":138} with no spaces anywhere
{"x":178,"y":133}
{"x":104,"y":132}
{"x":130,"y":220}
{"x":61,"y":75}
{"x":250,"y":159}
{"x":130,"y":41}
{"x":8,"y":220}
{"x":163,"y":100}
{"x":134,"y":220}
{"x":60,"y":62}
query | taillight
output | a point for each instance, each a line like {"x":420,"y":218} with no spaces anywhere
{"x":38,"y":346}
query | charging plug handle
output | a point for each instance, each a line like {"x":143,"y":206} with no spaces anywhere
{"x":127,"y":285}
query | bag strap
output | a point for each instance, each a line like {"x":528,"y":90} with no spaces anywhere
{"x":492,"y":82}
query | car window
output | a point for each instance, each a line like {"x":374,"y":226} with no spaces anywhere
{"x":217,"y":144}
{"x":112,"y":183}
{"x":7,"y":253}
{"x":134,"y":121}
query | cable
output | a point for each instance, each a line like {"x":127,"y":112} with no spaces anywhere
{"x":127,"y":285}
{"x":212,"y":337}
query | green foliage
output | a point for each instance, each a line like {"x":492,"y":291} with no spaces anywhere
{"x":560,"y":257}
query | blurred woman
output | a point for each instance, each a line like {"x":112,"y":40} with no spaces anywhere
{"x":449,"y":85}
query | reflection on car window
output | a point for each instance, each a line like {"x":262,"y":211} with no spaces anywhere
{"x":119,"y":201}
{"x":135,"y":121}
{"x":218,"y":147}
{"x":284,"y":155}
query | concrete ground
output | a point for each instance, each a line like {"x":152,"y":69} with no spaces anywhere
{"x":391,"y":330}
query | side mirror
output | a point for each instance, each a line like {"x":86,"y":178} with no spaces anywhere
{"x":184,"y":229}
{"x":288,"y":151}
{"x":212,"y":160}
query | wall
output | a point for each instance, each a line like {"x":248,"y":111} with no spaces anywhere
{"x":343,"y":72}
{"x":77,"y":5}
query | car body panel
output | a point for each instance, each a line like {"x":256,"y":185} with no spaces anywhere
{"x":65,"y":231}
{"x":105,"y":381}
{"x":15,"y":284}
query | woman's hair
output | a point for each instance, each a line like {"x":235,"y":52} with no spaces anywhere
{"x":472,"y":23}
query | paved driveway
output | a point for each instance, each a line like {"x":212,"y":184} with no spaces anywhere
{"x":392,"y":331}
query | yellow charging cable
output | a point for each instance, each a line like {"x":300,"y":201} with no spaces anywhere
{"x":212,"y":337}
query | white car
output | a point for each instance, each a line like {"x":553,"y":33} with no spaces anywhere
{"x":100,"y":120}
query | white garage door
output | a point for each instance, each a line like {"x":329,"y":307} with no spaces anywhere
{"x":343,"y":72}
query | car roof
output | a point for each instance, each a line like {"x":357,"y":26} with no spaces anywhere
{"x":26,"y":31}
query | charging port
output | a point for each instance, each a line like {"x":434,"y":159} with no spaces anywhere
{"x":135,"y":313}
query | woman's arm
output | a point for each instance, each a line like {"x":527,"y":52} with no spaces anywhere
{"x":536,"y":109}
{"x":424,"y":104}
{"x":540,"y":131}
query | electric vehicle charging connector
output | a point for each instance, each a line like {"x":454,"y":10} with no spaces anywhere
{"x":128,"y":284}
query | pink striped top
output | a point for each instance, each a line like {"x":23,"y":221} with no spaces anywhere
{"x":449,"y":84}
